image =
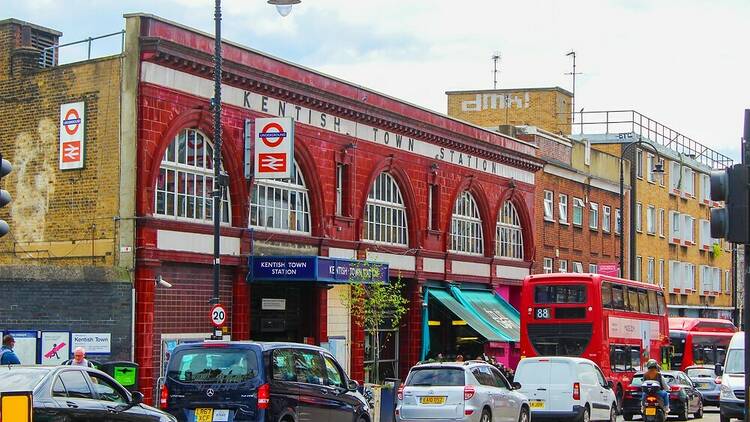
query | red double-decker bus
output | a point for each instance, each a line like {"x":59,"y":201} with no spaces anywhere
{"x":617,"y":323}
{"x":699,"y":341}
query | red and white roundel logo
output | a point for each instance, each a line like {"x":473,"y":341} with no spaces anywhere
{"x":72,"y":121}
{"x":272,"y":139}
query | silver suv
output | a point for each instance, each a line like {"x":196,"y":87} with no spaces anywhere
{"x":471,"y":391}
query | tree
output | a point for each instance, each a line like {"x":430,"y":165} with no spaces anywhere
{"x":374,"y":302}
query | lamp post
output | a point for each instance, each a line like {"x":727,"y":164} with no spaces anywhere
{"x":284,"y":7}
{"x":658,"y":169}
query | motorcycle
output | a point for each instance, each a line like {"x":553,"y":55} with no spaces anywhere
{"x":652,"y":407}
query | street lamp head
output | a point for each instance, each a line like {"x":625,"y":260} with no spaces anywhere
{"x":658,"y":168}
{"x":284,"y":7}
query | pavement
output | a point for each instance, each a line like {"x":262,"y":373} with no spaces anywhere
{"x":710,"y":414}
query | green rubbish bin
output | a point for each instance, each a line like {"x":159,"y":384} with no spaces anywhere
{"x":124,"y":372}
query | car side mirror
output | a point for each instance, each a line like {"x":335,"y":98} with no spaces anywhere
{"x":352,"y":385}
{"x":516,"y":385}
{"x":610,"y":385}
{"x":719,"y":370}
{"x":137,"y":398}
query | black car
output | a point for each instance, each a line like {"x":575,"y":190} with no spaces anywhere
{"x":78,"y":394}
{"x":684,"y":398}
{"x":252,"y":381}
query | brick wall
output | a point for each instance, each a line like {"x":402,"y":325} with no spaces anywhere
{"x":548,"y":109}
{"x":567,"y":241}
{"x":62,"y":305}
{"x":55,"y":214}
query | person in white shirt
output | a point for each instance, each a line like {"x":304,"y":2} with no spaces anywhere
{"x":79,"y":358}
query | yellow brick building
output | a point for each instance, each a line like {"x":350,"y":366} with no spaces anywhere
{"x":546,"y":108}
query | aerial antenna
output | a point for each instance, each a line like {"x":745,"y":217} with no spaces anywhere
{"x":496,"y":60}
{"x":573,"y":73}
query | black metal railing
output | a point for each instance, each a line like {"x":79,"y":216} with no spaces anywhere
{"x":49,"y":57}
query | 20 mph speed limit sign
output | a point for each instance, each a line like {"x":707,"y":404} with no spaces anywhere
{"x":218,"y":315}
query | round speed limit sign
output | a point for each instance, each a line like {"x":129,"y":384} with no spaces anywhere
{"x":218,"y":315}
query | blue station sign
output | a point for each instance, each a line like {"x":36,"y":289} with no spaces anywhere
{"x":315,"y":268}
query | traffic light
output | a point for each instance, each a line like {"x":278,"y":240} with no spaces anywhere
{"x":732,"y":221}
{"x":5,"y":168}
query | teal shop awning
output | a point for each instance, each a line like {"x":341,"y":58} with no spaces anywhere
{"x":471,"y":318}
{"x":493,"y":310}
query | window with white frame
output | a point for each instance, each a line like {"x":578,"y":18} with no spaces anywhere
{"x":661,"y":272}
{"x":675,"y":174}
{"x":563,"y":208}
{"x":675,"y":225}
{"x":650,"y":270}
{"x":675,"y":276}
{"x":563,"y":266}
{"x":651,"y":219}
{"x":593,"y":215}
{"x":717,"y":280}
{"x":660,"y":222}
{"x":509,"y":234}
{"x":593,"y":268}
{"x":606,"y":218}
{"x":688,"y":273}
{"x":650,"y":168}
{"x":186,"y":180}
{"x":577,"y":211}
{"x":281,"y":204}
{"x":639,"y":163}
{"x":727,"y":282}
{"x":385,"y":214}
{"x":638,"y":276}
{"x":664,"y":175}
{"x":705,"y":281}
{"x":577,"y":267}
{"x":549,"y":205}
{"x":547,"y":266}
{"x":705,"y":234}
{"x":688,"y":185}
{"x":618,"y":221}
{"x":466,"y":226}
{"x":339,"y":188}
{"x":639,"y":217}
{"x":705,"y":188}
{"x":688,"y":230}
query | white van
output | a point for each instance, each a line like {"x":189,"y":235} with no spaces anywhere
{"x":732,"y":397}
{"x":565,"y":387}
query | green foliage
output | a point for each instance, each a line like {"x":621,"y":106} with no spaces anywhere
{"x":716,"y":249}
{"x":374,"y":304}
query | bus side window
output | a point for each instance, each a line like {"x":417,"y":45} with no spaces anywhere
{"x":634,"y":355}
{"x":660,"y":302}
{"x":607,"y":295}
{"x":618,"y":297}
{"x":643,"y":301}
{"x":652,"y":306}
{"x":632,"y":299}
{"x":617,"y":358}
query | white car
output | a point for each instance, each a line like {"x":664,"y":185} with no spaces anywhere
{"x":732,"y":396}
{"x":566,"y":388}
{"x":471,"y":391}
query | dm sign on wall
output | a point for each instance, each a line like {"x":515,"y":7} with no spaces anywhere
{"x":72,"y":126}
{"x":274,"y":148}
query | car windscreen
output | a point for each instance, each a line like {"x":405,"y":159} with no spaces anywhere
{"x":638,"y":380}
{"x":213,"y":365}
{"x":700,"y":373}
{"x":21,"y":379}
{"x":735,"y":362}
{"x":436,"y":377}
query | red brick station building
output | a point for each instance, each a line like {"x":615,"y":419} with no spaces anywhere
{"x":446,"y":205}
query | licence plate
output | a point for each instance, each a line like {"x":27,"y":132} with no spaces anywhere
{"x":537,"y":404}
{"x":203,"y":414}
{"x":650,"y":411}
{"x":432,"y":400}
{"x":701,"y":385}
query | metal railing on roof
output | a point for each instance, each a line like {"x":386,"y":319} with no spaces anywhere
{"x":631,"y":121}
{"x":49,"y":57}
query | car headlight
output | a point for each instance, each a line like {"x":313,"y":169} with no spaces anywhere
{"x":726,"y":393}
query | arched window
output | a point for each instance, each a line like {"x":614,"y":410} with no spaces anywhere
{"x":385,"y":214}
{"x":466,"y":226}
{"x":186,"y":178}
{"x":281,"y":204}
{"x":509,"y":235}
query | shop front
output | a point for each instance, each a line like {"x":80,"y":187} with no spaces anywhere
{"x":470,"y":321}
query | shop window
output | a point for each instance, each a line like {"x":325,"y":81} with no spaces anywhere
{"x":281,"y":204}
{"x":509,"y":242}
{"x":466,"y":226}
{"x":385,"y":213}
{"x":186,"y":180}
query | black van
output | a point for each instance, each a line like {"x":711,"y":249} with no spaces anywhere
{"x":217,"y":381}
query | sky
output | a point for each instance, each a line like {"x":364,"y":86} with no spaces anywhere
{"x":683,"y":63}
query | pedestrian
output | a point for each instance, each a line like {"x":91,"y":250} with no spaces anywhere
{"x":460,"y":358}
{"x":79,"y":358}
{"x":7,"y":355}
